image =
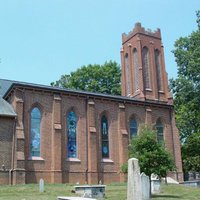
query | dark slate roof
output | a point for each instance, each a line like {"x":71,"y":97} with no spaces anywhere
{"x":9,"y":85}
{"x":6,"y":109}
{"x":4,"y":86}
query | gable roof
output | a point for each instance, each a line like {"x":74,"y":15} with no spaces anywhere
{"x":4,"y":86}
{"x":6,"y":109}
{"x":9,"y":85}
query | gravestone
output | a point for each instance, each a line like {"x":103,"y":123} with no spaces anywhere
{"x":145,"y":186}
{"x":41,"y":185}
{"x":134,"y":180}
{"x":155,"y":186}
{"x":74,"y":198}
{"x":91,"y":191}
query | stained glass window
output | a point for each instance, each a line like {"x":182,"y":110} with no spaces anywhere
{"x":146,"y":70}
{"x":159,"y":128}
{"x":133,"y":128}
{"x":35,"y":132}
{"x":71,"y":135}
{"x":158,"y":70}
{"x":104,"y":137}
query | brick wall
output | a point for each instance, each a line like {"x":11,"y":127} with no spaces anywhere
{"x":89,"y":167}
{"x":138,"y":39}
{"x":6,"y":142}
{"x":6,"y":136}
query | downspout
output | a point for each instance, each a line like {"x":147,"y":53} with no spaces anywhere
{"x":86,"y":171}
{"x":13,"y":153}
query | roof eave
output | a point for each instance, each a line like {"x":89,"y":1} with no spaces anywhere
{"x":8,"y":115}
{"x":62,"y":90}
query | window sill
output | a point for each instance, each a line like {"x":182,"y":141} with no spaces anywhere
{"x":36,"y":158}
{"x":160,"y":91}
{"x":148,"y":89}
{"x":124,"y":132}
{"x":73,"y":160}
{"x":107,"y":160}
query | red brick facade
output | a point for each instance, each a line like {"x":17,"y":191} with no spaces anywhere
{"x":137,"y":40}
{"x":6,"y":145}
{"x":53,"y":165}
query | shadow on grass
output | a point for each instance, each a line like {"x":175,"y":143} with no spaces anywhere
{"x":166,"y":196}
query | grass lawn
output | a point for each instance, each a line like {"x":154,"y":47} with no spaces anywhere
{"x":113,"y":192}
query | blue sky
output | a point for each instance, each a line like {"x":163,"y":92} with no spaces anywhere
{"x":42,"y":39}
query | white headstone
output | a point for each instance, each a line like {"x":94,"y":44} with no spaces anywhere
{"x":145,"y":187}
{"x":134,"y":180}
{"x":41,"y":185}
{"x":155,"y":186}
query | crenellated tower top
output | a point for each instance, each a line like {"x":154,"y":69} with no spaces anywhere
{"x":143,"y":67}
{"x":138,"y":29}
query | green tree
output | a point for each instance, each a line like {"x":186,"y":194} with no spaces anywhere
{"x":152,"y":155}
{"x":94,"y":78}
{"x":186,"y":87}
{"x":191,"y":153}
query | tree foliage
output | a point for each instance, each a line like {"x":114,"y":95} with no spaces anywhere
{"x":94,"y":78}
{"x":191,"y":153}
{"x":152,"y":156}
{"x":186,"y":87}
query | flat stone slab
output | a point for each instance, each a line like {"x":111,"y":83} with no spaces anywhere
{"x":195,"y":183}
{"x":74,"y":198}
{"x":90,"y":191}
{"x":90,"y":186}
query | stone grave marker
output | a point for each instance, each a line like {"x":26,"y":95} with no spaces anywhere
{"x":41,"y":185}
{"x":134,"y":191}
{"x":145,"y":186}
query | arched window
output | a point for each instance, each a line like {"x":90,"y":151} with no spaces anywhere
{"x":35,"y":132}
{"x":136,"y":69}
{"x":160,"y":129}
{"x":127,"y":71}
{"x":71,"y":135}
{"x":145,"y":61}
{"x":133,"y":128}
{"x":104,"y":137}
{"x":158,"y":70}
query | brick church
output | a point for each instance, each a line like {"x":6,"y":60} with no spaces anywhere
{"x":69,"y":136}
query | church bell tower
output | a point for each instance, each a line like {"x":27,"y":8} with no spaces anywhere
{"x":143,"y":67}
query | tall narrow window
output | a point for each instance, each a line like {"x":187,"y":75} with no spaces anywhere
{"x":104,"y":137}
{"x":158,"y":70}
{"x":127,"y":68}
{"x":71,"y":135}
{"x":35,"y":132}
{"x":146,"y":70}
{"x":136,"y":69}
{"x":160,"y":129}
{"x":133,"y":128}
